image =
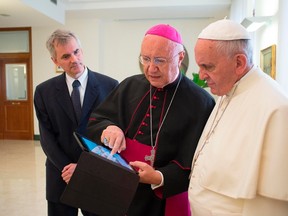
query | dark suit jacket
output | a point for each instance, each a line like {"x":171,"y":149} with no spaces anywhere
{"x":57,"y":122}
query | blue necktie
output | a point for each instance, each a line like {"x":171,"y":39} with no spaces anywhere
{"x":75,"y":97}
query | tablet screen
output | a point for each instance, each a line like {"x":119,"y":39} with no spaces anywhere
{"x":103,"y":151}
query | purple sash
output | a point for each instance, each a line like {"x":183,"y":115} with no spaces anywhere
{"x":175,"y":205}
{"x":178,"y":205}
{"x":135,"y":151}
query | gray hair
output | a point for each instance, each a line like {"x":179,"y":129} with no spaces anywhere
{"x":232,"y":47}
{"x":175,"y":47}
{"x":60,"y":37}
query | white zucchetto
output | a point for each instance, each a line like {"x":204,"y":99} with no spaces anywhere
{"x":224,"y":29}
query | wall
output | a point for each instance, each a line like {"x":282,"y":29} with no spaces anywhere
{"x":267,"y":34}
{"x":282,"y":48}
{"x":110,"y":47}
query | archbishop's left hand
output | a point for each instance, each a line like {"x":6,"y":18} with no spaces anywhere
{"x":147,"y":173}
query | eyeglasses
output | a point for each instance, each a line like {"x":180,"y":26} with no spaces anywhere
{"x":158,"y":61}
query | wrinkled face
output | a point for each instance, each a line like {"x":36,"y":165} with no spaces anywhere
{"x":219,"y":71}
{"x":69,"y":57}
{"x":162,"y":60}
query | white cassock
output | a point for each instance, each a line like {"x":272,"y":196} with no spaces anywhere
{"x":243,"y":169}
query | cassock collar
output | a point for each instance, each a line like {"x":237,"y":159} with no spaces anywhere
{"x":247,"y":80}
{"x":171,"y":85}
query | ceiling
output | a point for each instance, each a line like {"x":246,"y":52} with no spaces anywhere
{"x":17,"y":13}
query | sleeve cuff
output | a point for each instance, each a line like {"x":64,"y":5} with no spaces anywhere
{"x":154,"y":186}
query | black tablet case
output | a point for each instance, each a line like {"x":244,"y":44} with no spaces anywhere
{"x":100,"y":186}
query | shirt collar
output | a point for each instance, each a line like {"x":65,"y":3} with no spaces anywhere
{"x":81,"y":79}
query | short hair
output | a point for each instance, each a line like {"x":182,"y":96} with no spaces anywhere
{"x":232,"y":47}
{"x":62,"y":37}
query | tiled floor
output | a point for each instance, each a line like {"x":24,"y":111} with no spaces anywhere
{"x":22,"y":178}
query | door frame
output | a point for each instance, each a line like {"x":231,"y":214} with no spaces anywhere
{"x":21,"y":57}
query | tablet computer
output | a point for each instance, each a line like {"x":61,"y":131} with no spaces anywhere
{"x":100,"y":186}
{"x":91,"y":146}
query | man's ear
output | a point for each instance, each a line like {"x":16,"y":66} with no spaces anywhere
{"x":181,"y":57}
{"x":241,"y":64}
{"x":55,"y":61}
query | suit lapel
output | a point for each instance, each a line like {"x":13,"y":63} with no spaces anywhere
{"x":63,"y":97}
{"x":91,"y":94}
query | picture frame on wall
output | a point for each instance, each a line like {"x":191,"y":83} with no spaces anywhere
{"x":268,"y":60}
{"x":58,"y":69}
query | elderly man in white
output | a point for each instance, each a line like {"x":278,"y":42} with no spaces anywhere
{"x":240,"y":167}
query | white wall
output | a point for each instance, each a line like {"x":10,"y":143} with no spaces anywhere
{"x":110,"y":47}
{"x":282,"y":48}
{"x":268,"y":34}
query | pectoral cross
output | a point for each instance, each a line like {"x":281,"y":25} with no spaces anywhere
{"x":151,"y":157}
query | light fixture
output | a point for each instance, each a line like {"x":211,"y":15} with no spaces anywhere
{"x":254,"y":23}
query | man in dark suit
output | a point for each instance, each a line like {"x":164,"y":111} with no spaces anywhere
{"x":57,"y":115}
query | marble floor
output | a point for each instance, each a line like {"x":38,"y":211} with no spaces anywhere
{"x":22,"y":178}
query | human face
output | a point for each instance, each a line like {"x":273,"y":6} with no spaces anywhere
{"x":158,"y":47}
{"x":69,"y":57}
{"x":219,"y":70}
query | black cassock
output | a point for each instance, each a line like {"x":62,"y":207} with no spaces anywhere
{"x":128,"y":107}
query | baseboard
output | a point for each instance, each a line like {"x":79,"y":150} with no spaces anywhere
{"x":36,"y":137}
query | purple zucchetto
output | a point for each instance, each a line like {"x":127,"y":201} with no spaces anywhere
{"x":166,"y":31}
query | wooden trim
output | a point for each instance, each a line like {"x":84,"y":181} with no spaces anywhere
{"x":27,"y":58}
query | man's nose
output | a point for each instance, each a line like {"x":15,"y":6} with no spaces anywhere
{"x":202,"y":74}
{"x":73,"y":58}
{"x":152,"y":66}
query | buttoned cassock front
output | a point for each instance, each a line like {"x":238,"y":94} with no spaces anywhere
{"x":128,"y":106}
